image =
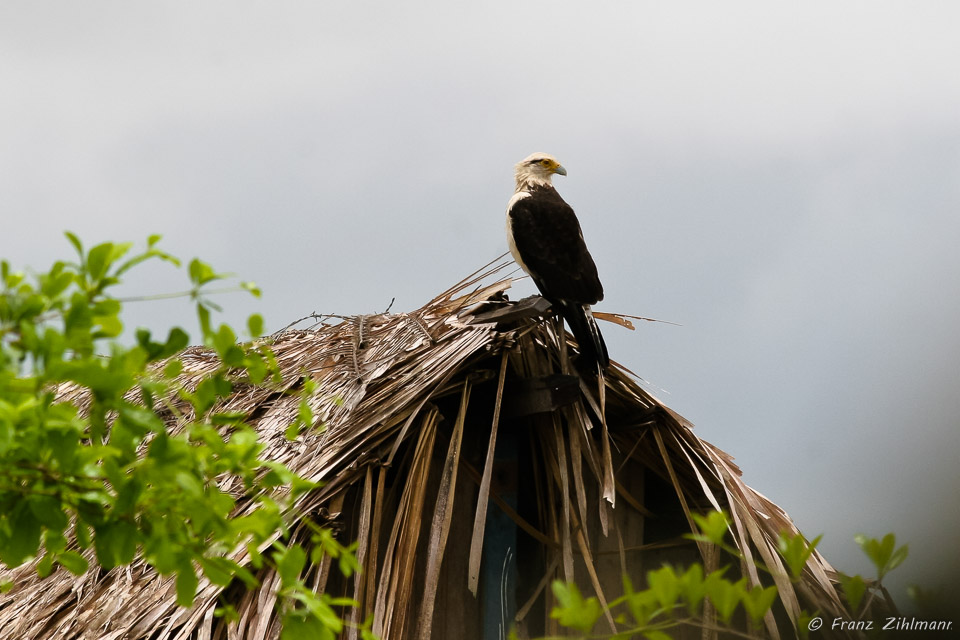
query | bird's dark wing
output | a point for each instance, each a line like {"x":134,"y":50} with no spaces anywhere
{"x":548,"y":238}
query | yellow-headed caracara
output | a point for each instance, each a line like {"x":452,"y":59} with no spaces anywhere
{"x":546,"y":241}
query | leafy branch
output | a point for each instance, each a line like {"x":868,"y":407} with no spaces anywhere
{"x":110,"y":482}
{"x":675,"y":597}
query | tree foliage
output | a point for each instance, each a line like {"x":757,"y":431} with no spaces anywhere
{"x":677,"y":597}
{"x":112,"y":477}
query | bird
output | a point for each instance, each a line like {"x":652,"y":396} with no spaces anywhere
{"x":546,"y":241}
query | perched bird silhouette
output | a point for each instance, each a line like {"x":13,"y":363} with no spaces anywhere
{"x":546,"y":241}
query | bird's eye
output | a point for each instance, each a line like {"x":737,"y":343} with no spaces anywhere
{"x":545,"y":162}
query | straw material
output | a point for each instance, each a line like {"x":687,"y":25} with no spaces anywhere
{"x":411,"y":405}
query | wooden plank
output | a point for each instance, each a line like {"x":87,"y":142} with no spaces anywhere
{"x":531,"y":307}
{"x":529,"y":396}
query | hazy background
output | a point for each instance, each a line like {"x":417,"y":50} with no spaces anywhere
{"x":782,"y":181}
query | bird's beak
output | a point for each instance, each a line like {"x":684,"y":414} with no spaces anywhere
{"x":560,"y":170}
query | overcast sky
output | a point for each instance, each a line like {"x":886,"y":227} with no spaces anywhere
{"x":782,"y":181}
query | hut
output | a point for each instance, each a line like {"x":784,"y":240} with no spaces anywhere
{"x":472,"y":465}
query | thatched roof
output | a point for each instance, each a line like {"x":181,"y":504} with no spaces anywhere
{"x":398,"y":477}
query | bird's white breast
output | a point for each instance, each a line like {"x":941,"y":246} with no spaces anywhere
{"x":519,"y":195}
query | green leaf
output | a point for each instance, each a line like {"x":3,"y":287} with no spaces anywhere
{"x":713,"y":526}
{"x":106,"y":307}
{"x":724,"y":595}
{"x":692,"y":587}
{"x":116,"y":543}
{"x":75,"y":241}
{"x":201,"y":273}
{"x":897,"y":558}
{"x":82,"y":533}
{"x":54,"y":541}
{"x":758,"y":601}
{"x":177,"y":340}
{"x":203,"y":315}
{"x":57,"y":284}
{"x":348,"y":564}
{"x":163,"y":554}
{"x":305,"y":414}
{"x":208,"y":391}
{"x":290,"y":563}
{"x":217,"y":569}
{"x":45,"y":566}
{"x":192,"y":485}
{"x":319,"y":607}
{"x":260,"y":524}
{"x":73,"y":562}
{"x":101,"y":258}
{"x":235,"y":418}
{"x":803,"y":625}
{"x":49,"y":511}
{"x":665,"y":586}
{"x":278,"y":475}
{"x":299,"y":626}
{"x":853,"y":588}
{"x":23,"y":539}
{"x":256,"y":367}
{"x":233,"y":357}
{"x":224,"y":340}
{"x":64,"y":443}
{"x":255,"y":325}
{"x":107,"y":327}
{"x":574,"y":611}
{"x":146,"y":255}
{"x":127,"y":495}
{"x":7,"y":434}
{"x":882,"y":553}
{"x":173,"y":368}
{"x":142,"y":420}
{"x":252,"y":288}
{"x":796,"y":552}
{"x":292,"y":432}
{"x":186,"y":586}
{"x":96,"y":375}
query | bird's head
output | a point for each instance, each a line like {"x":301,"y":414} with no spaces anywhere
{"x":537,"y":169}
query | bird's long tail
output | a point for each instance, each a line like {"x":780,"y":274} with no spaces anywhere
{"x":585,"y":330}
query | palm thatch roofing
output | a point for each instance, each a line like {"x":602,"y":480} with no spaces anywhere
{"x":411,"y":406}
